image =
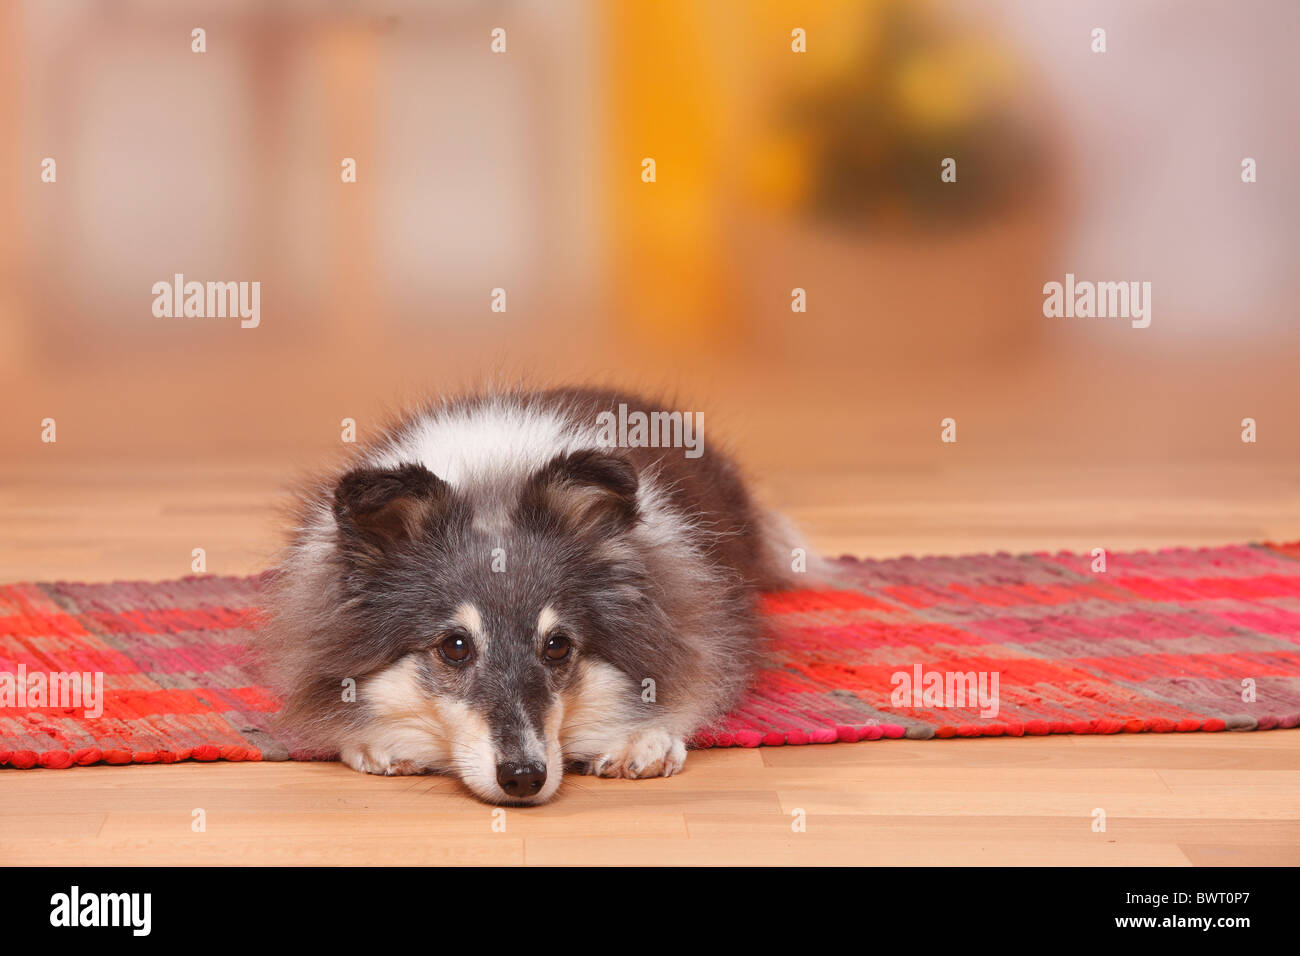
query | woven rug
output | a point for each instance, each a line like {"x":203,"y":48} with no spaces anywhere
{"x":984,"y":645}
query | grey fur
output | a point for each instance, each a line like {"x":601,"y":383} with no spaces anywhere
{"x":651,"y":560}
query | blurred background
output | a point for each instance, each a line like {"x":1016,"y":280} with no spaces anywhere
{"x":522,"y":170}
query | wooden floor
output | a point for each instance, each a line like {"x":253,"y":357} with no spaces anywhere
{"x":1201,"y":799}
{"x":1212,"y":799}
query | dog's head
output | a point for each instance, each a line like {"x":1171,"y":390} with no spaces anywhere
{"x":480,"y":611}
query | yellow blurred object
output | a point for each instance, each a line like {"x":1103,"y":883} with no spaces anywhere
{"x":843,"y":36}
{"x":951,"y":85}
{"x":780,"y":172}
{"x":733,"y":116}
{"x":686,"y":83}
{"x":665,"y":101}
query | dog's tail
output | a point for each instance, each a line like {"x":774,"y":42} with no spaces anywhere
{"x":792,"y":562}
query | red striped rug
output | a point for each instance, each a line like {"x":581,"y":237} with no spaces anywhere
{"x":1176,"y":640}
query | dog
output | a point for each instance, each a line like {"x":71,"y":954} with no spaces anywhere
{"x":505,"y":585}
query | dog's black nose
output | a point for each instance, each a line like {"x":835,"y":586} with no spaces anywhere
{"x":521,"y":779}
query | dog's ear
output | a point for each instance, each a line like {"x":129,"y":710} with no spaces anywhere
{"x":376,"y":508}
{"x":592,"y":492}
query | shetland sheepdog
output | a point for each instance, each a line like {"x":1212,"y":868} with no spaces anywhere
{"x":502,"y":587}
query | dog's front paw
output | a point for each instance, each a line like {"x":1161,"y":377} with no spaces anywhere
{"x":368,"y":761}
{"x":647,"y":753}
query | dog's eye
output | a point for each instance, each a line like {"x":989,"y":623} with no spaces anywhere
{"x":455,"y":648}
{"x":557,"y":646}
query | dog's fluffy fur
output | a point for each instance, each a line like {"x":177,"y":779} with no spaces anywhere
{"x":502,"y":523}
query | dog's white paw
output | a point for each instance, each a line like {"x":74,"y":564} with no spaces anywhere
{"x":367,"y":761}
{"x":647,"y":753}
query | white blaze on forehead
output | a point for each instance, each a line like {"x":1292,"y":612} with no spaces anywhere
{"x":468,"y":617}
{"x":547,"y":619}
{"x":505,"y":435}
